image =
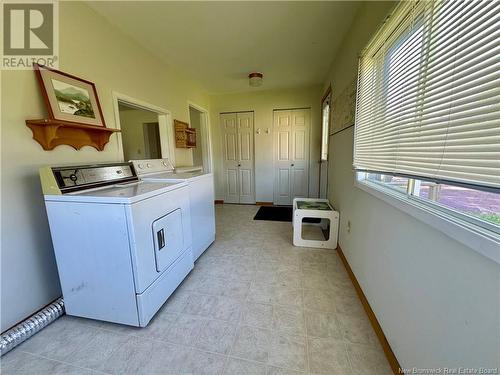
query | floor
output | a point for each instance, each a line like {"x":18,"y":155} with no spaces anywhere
{"x":253,"y":304}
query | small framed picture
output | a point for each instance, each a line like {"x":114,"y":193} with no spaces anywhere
{"x":69,"y":98}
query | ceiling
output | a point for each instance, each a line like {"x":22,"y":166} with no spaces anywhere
{"x":219,"y":43}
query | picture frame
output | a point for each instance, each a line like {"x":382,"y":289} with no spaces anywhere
{"x":344,"y":108}
{"x":69,"y":98}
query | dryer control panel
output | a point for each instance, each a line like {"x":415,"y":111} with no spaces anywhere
{"x":62,"y":180}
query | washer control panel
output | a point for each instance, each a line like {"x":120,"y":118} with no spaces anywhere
{"x":152,"y":166}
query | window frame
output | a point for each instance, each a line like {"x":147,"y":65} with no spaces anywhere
{"x":327,"y":97}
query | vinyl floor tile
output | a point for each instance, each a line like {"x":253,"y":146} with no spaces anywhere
{"x":253,"y":305}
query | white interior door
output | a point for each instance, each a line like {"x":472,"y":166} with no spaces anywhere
{"x":230,"y":162}
{"x":300,"y":153}
{"x":246,"y":162}
{"x":283,"y":159}
{"x":291,"y":155}
{"x":238,"y":158}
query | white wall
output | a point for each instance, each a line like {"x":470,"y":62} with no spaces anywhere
{"x":437,"y":301}
{"x":263,"y":102}
{"x":115,"y":63}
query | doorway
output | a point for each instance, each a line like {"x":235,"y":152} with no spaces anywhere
{"x":238,"y":157}
{"x":152,"y":144}
{"x":291,"y":154}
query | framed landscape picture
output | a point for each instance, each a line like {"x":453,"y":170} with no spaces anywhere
{"x":69,"y":98}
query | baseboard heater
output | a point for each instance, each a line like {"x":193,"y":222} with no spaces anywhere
{"x":27,"y":328}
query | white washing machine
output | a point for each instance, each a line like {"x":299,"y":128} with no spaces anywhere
{"x":201,"y":197}
{"x":122,"y":245}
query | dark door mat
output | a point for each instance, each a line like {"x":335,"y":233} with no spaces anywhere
{"x":274,"y":213}
{"x":279,"y":213}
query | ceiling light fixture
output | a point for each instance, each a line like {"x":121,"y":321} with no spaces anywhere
{"x":255,"y":79}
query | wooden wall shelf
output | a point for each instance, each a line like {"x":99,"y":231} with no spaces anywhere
{"x":52,"y":133}
{"x":185,"y":137}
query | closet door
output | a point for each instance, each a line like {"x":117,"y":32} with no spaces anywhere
{"x":238,"y":157}
{"x":283,"y":159}
{"x":230,"y":157}
{"x":291,"y":155}
{"x":300,"y":147}
{"x":246,"y":157}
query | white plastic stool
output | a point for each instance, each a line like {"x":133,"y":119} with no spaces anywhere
{"x":314,"y":208}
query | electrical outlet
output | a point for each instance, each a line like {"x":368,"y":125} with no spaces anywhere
{"x":348,"y":226}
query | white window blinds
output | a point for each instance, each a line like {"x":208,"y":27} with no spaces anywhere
{"x":428,"y":100}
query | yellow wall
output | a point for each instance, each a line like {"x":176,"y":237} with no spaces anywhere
{"x":115,"y":63}
{"x":263,"y":102}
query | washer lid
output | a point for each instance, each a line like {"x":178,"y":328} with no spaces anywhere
{"x":169,"y":176}
{"x":194,"y":168}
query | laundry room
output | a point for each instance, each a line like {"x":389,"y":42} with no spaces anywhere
{"x":258,"y":187}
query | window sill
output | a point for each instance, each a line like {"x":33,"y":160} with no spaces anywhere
{"x":479,"y":239}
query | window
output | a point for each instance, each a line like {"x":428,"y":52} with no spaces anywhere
{"x":325,"y":123}
{"x":428,"y":108}
{"x":390,"y":181}
{"x":478,"y":207}
{"x":478,"y":204}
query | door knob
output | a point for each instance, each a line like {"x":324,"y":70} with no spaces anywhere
{"x":292,"y":165}
{"x":239,"y":165}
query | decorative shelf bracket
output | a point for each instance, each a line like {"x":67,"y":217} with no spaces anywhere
{"x":52,"y":133}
